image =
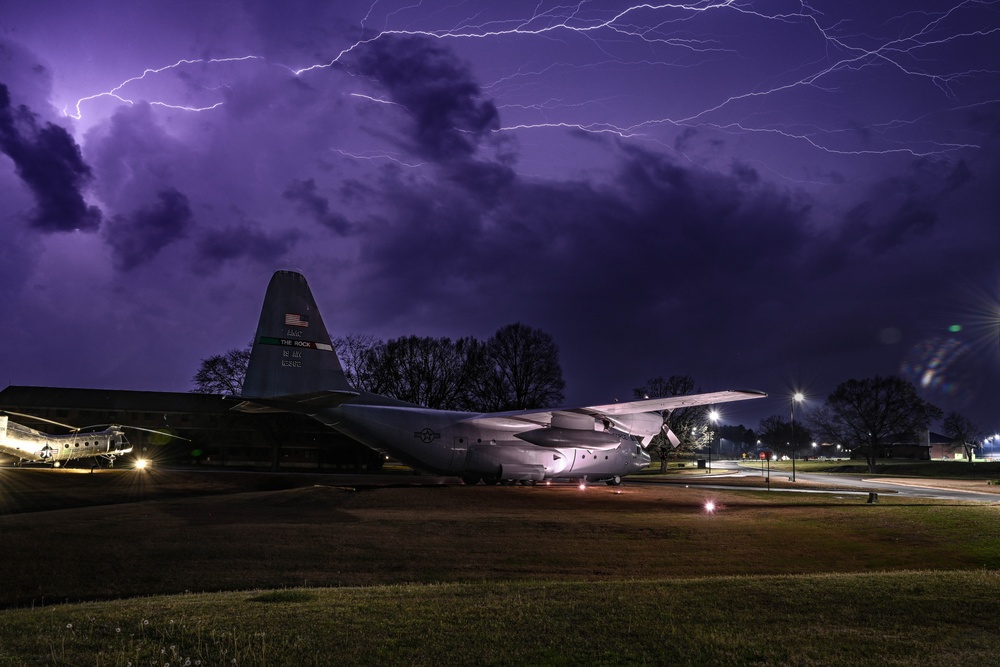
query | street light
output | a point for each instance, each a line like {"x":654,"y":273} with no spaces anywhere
{"x":797,"y":397}
{"x":713,"y":416}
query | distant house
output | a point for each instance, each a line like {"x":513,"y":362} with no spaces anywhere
{"x":214,"y":434}
{"x":922,"y":447}
{"x":943,"y":447}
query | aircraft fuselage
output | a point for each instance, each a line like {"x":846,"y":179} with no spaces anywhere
{"x":453,"y":443}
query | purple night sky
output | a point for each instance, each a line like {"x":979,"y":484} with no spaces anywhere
{"x":766,"y":195}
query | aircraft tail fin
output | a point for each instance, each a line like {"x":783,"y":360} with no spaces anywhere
{"x":292,"y":353}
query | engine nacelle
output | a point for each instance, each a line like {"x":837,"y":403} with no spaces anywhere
{"x":642,"y":424}
{"x":570,"y":437}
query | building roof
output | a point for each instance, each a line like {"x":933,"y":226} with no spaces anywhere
{"x":113,"y":399}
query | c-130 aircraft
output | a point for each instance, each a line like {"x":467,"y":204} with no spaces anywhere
{"x":294,"y":368}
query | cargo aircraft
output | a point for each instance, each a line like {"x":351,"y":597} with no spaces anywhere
{"x":30,"y":445}
{"x":294,"y":368}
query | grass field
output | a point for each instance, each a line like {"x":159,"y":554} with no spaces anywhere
{"x":486,"y":575}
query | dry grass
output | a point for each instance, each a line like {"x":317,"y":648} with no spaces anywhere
{"x":486,"y":575}
{"x":328,"y":536}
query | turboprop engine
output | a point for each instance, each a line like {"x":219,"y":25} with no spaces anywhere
{"x":570,"y":429}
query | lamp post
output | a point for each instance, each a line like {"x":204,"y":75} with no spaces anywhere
{"x":797,"y":397}
{"x":713,"y":416}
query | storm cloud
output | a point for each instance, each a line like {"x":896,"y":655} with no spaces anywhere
{"x":139,"y":237}
{"x":49,"y":162}
{"x":440,"y":94}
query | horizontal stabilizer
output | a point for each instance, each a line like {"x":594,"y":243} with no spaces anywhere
{"x":307,"y":404}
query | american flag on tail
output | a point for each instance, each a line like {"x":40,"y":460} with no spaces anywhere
{"x":293,"y":320}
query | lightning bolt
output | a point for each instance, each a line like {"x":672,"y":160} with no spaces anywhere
{"x":115,"y":92}
{"x":673,"y":27}
{"x":379,"y":156}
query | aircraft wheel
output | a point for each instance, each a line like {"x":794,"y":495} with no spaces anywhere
{"x":490,"y":480}
{"x":615,"y":481}
{"x":471,"y":481}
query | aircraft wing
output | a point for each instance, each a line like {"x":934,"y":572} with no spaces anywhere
{"x":511,"y":420}
{"x":673,"y":402}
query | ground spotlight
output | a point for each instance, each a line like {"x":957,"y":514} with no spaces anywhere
{"x":140,"y":464}
{"x":710,"y":506}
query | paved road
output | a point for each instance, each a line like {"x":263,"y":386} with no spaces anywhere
{"x":721,"y":470}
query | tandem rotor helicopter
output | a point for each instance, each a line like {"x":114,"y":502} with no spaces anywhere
{"x":30,"y":445}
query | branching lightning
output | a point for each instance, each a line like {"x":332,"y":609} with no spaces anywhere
{"x":676,"y":31}
{"x":116,"y":93}
{"x":379,"y":156}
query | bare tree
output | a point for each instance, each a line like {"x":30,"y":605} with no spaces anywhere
{"x":742,"y":439}
{"x":354,"y":352}
{"x":689,"y":425}
{"x":516,"y":369}
{"x":431,"y":372}
{"x":223,"y":373}
{"x":781,"y":435}
{"x":865,"y":413}
{"x":963,"y":432}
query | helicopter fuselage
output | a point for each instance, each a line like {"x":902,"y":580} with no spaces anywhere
{"x":28,"y":444}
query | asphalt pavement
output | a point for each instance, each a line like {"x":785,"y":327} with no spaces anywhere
{"x":722,"y":470}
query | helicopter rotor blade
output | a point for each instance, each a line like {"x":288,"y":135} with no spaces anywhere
{"x":149,"y":430}
{"x":133,"y":428}
{"x":41,"y":419}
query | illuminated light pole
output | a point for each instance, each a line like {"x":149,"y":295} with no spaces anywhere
{"x":797,"y":397}
{"x":713,"y":416}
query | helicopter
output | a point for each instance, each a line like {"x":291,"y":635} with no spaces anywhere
{"x":30,"y":445}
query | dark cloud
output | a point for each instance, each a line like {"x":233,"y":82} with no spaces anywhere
{"x":49,"y":162}
{"x":139,"y":237}
{"x":436,"y":89}
{"x":219,"y":247}
{"x":903,"y":208}
{"x":310,"y":203}
{"x":671,"y":234}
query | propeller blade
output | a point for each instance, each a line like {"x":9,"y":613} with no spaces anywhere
{"x":671,"y":436}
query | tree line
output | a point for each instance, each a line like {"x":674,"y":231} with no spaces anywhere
{"x":859,"y":415}
{"x":516,"y":368}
